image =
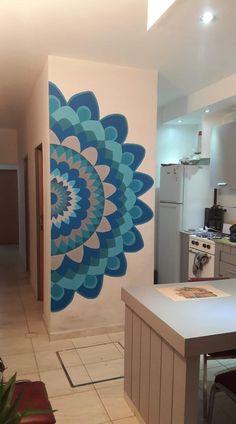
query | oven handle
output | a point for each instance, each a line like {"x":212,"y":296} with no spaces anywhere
{"x":198,"y":251}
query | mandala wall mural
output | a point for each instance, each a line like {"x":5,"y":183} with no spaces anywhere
{"x":95,"y":196}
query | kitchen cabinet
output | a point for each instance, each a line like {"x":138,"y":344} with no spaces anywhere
{"x":223,"y":150}
{"x":225,"y":261}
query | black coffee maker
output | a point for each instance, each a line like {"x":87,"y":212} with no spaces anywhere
{"x":214,"y":216}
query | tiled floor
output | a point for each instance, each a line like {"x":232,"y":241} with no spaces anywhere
{"x":25,"y":348}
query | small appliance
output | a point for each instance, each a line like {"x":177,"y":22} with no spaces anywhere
{"x":214,"y":216}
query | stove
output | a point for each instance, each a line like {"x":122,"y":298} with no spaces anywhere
{"x":202,"y":244}
{"x":209,"y":235}
{"x":201,"y":253}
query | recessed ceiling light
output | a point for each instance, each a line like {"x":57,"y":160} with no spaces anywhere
{"x":207,"y":110}
{"x":180,"y":121}
{"x":156,"y":9}
{"x":207,"y":17}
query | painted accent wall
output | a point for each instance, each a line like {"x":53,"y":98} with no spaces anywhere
{"x":124,"y":101}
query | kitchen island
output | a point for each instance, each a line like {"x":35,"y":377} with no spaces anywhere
{"x":163,"y":342}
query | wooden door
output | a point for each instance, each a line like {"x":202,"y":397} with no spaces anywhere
{"x":27,"y":232}
{"x":9,"y":224}
{"x":39,"y":212}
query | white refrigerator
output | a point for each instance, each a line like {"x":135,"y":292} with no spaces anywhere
{"x":183,"y":196}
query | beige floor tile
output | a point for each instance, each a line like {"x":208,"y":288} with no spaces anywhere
{"x":116,"y":337}
{"x":78,"y":375}
{"x":47,"y":361}
{"x":7,"y":332}
{"x":37,"y":327}
{"x":79,"y":408}
{"x":105,"y":370}
{"x":91,"y":340}
{"x":70,"y":358}
{"x":16,"y":345}
{"x":99,"y":353}
{"x":109,"y":383}
{"x":130,"y":420}
{"x":56,"y":382}
{"x":32,"y":377}
{"x":114,"y":402}
{"x":42,"y":343}
{"x":22,"y":364}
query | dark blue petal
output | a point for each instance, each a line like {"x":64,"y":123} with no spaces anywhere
{"x":89,"y":293}
{"x":146,"y":182}
{"x":133,"y":155}
{"x":54,"y":91}
{"x":61,"y":304}
{"x":88,"y":100}
{"x":133,"y":241}
{"x":117,"y":122}
{"x":116,"y":266}
{"x":141,"y":213}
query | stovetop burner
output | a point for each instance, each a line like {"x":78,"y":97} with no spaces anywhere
{"x":210,"y":235}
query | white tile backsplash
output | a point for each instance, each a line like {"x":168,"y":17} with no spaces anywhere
{"x":227,"y":199}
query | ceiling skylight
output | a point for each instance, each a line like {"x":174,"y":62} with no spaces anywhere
{"x":156,"y":8}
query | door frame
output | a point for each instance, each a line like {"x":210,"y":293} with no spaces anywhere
{"x":39,"y":220}
{"x":27,"y":226}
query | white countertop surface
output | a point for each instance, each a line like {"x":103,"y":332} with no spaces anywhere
{"x":189,"y":319}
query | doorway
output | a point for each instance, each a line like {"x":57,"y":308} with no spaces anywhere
{"x":39,"y":219}
{"x":27,"y":231}
{"x":9,"y":222}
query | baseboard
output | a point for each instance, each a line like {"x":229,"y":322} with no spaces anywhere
{"x":58,"y":335}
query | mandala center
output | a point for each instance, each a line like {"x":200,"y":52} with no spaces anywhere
{"x":77,"y":200}
{"x":53,"y":198}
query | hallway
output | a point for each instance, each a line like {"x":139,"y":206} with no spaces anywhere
{"x":81,"y":399}
{"x":25,"y":348}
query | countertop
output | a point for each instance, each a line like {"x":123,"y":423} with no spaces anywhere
{"x":184,"y":323}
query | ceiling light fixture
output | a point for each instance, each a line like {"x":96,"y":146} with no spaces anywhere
{"x":207,"y":17}
{"x":180,"y":121}
{"x":207,"y":110}
{"x":156,"y":9}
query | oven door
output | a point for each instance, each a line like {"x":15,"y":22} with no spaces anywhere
{"x":208,"y":268}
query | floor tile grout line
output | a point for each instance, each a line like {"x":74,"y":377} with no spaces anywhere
{"x":129,"y":416}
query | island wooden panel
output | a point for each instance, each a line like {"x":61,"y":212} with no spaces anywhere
{"x":160,"y":383}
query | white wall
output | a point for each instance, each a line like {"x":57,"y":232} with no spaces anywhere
{"x":33,"y":131}
{"x":174,"y":142}
{"x":131,"y":92}
{"x":8,"y":146}
{"x":226,"y":197}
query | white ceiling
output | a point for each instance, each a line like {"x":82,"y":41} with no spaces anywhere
{"x":187,"y":54}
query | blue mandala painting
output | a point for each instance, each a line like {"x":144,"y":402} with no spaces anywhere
{"x":95,"y":196}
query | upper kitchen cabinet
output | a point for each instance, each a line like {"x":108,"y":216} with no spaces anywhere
{"x":223,"y":156}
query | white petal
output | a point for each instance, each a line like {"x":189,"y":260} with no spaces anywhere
{"x":90,"y":154}
{"x":93,"y":242}
{"x":109,"y":189}
{"x":53,"y":138}
{"x":76,"y":254}
{"x":72,"y":142}
{"x":104,"y":226}
{"x":56,"y":261}
{"x":109,"y":208}
{"x":103,"y":171}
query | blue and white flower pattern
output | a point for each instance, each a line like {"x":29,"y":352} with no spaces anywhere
{"x":95,"y":196}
